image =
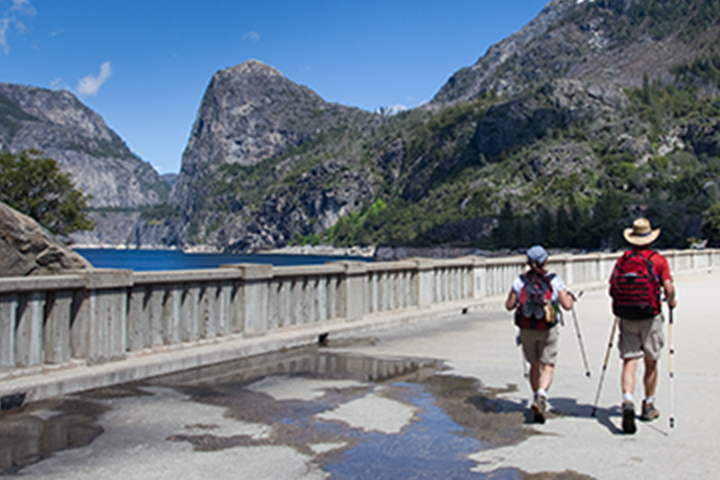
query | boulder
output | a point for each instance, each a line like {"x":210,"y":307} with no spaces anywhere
{"x":26,"y":248}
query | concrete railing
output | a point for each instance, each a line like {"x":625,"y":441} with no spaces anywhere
{"x":101,"y":316}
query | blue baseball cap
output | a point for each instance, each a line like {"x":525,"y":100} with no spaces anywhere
{"x":537,"y":254}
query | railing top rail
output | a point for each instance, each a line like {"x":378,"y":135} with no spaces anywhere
{"x":409,"y":264}
{"x":502,"y":261}
{"x":308,"y":270}
{"x":45,"y":282}
{"x":187,"y":276}
{"x":107,"y":278}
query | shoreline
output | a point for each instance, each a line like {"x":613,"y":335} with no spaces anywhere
{"x":318,"y":250}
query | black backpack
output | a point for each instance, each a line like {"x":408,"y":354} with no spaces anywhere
{"x":535,"y":310}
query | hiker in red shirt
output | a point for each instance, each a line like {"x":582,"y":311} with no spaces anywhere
{"x":637,"y":304}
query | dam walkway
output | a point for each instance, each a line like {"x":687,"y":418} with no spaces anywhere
{"x":444,"y":397}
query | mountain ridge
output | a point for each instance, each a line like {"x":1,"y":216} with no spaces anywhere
{"x":63,"y":128}
{"x":590,"y":114}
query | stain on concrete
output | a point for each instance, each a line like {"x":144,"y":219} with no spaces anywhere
{"x":442,"y":418}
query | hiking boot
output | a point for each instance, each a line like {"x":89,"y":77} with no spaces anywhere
{"x":649,"y":412}
{"x":628,"y":417}
{"x":539,"y":408}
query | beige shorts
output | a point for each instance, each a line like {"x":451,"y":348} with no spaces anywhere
{"x":641,"y":338}
{"x":540,"y":345}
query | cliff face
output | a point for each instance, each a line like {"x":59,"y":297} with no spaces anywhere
{"x":249,"y":113}
{"x":547,"y":120}
{"x":245,"y":183}
{"x":64,"y":129}
{"x":617,"y":42}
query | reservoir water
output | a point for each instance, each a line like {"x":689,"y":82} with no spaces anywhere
{"x":156,"y":260}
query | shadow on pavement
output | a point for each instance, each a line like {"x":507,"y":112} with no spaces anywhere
{"x":569,"y":407}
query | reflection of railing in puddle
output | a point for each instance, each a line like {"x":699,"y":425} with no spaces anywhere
{"x":35,"y":433}
{"x":40,"y":429}
{"x":310,"y":361}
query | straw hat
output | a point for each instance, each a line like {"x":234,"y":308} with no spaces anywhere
{"x":641,"y":233}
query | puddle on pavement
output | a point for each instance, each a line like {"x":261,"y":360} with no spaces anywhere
{"x":40,"y":429}
{"x":447,"y":417}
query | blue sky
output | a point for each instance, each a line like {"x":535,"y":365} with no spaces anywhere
{"x":145,"y":64}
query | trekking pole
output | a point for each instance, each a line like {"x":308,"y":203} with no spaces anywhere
{"x":604,"y":367}
{"x":579,"y":335}
{"x":672,"y":371}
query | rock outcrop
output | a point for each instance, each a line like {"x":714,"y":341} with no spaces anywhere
{"x":28,"y":249}
{"x":228,"y":197}
{"x":613,"y":42}
{"x":99,"y":162}
{"x":251,"y":112}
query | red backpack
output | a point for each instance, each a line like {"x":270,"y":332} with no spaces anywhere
{"x":535,"y":310}
{"x":635,"y":286}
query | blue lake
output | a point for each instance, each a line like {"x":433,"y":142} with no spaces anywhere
{"x":155,"y":260}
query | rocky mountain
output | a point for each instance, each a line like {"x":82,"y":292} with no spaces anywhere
{"x":594,"y":112}
{"x":605,"y":41}
{"x":250,"y":113}
{"x":99,"y":162}
{"x":235,"y":189}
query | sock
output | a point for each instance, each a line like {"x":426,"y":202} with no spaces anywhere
{"x":627,"y":397}
{"x":650,"y":400}
{"x":541,"y":392}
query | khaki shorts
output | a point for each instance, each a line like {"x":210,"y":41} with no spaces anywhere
{"x":540,"y":345}
{"x":641,"y":338}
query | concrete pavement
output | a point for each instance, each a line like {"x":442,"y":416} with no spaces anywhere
{"x":400,"y":419}
{"x":574,"y":440}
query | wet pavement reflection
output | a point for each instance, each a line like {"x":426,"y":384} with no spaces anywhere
{"x":353,"y":416}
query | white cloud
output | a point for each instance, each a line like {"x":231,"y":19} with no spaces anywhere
{"x":10,"y":20}
{"x":90,"y":85}
{"x":253,"y":36}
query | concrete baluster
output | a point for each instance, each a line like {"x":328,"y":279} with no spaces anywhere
{"x":28,"y":333}
{"x":190,"y":312}
{"x":296,"y":307}
{"x":105,"y":313}
{"x":566,"y":267}
{"x":221,"y":308}
{"x":235,"y":308}
{"x":425,"y":268}
{"x":209,"y":306}
{"x":8,"y":312}
{"x":138,"y":319}
{"x":333,"y":287}
{"x":256,"y":279}
{"x":274,"y":304}
{"x":394,"y":290}
{"x":305,"y":304}
{"x":352,"y":290}
{"x":171,"y":311}
{"x":57,"y":327}
{"x":372,"y":292}
{"x":155,"y":298}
